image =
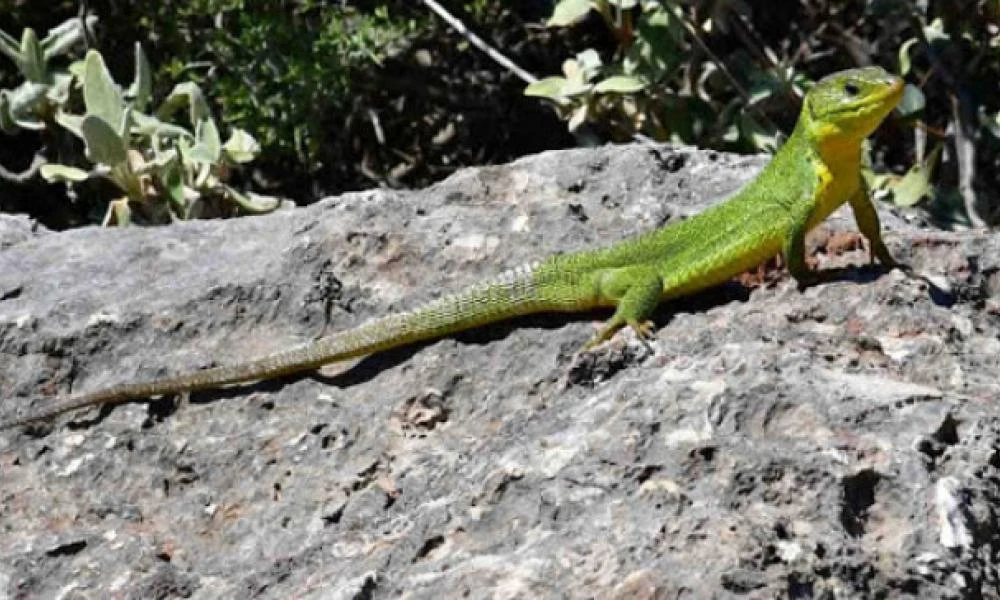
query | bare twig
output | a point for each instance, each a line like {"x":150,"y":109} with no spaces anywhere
{"x":497,"y":57}
{"x":88,"y":32}
{"x":965,"y":155}
{"x":376,"y":126}
{"x":742,"y":91}
{"x":693,"y":32}
{"x":478,"y":42}
{"x":965,"y":148}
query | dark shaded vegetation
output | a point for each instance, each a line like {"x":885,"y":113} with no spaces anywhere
{"x":352,"y":95}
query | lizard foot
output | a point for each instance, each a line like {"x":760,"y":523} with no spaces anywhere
{"x":644,"y":331}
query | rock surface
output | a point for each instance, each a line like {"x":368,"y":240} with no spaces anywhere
{"x":839,"y":442}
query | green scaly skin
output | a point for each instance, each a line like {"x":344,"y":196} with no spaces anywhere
{"x":815,"y":172}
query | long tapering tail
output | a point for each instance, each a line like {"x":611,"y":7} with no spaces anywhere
{"x":516,"y":292}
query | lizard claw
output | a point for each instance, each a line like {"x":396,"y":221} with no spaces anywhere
{"x":645,"y":330}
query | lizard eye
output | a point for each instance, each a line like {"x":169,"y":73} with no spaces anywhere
{"x":851,"y":89}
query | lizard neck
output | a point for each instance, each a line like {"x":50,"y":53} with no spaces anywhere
{"x":839,"y":151}
{"x":833,"y":158}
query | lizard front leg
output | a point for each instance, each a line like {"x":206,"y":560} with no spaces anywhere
{"x":867,"y":219}
{"x":635,"y":291}
{"x":794,"y":248}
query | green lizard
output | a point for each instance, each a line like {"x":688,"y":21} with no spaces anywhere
{"x":815,"y":172}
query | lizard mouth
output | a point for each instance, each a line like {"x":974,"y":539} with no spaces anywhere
{"x":894,"y":92}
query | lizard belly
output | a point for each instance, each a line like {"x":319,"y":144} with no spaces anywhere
{"x":717,"y":267}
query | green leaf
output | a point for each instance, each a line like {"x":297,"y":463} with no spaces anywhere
{"x":987,"y":121}
{"x":578,"y":118}
{"x":241,"y":147}
{"x":73,"y":123}
{"x":913,"y":101}
{"x":10,"y":48}
{"x":118,"y":213}
{"x":916,"y":184}
{"x":185,"y":94}
{"x":252,"y":203}
{"x":207,"y":135}
{"x":912,"y":188}
{"x":657,"y":50}
{"x":29,"y":122}
{"x":78,"y":69}
{"x":162,"y":158}
{"x":32,"y":57}
{"x":573,"y":88}
{"x":904,"y":55}
{"x":25,"y":97}
{"x":56,"y":172}
{"x":147,"y":125}
{"x":589,"y":61}
{"x":761,"y":91}
{"x":141,"y":90}
{"x":24,"y":102}
{"x":125,"y":131}
{"x":568,"y":12}
{"x":550,"y":87}
{"x":620,"y":84}
{"x":104,"y":145}
{"x":58,"y":92}
{"x":61,"y":38}
{"x":172,"y":180}
{"x":7,"y":124}
{"x":935,"y":32}
{"x":199,"y":154}
{"x":101,"y":94}
{"x":195,"y":158}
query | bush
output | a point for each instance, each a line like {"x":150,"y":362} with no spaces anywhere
{"x":341,"y":95}
{"x":730,"y":75}
{"x":280,"y":69}
{"x":165,"y":170}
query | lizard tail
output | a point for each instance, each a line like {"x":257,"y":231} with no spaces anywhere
{"x":512,"y":294}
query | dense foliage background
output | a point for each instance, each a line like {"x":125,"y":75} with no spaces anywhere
{"x":348,"y":95}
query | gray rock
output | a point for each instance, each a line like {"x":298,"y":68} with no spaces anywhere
{"x":838,"y":442}
{"x":15,"y":229}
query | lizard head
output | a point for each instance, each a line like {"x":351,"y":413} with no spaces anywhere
{"x":851,"y":104}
